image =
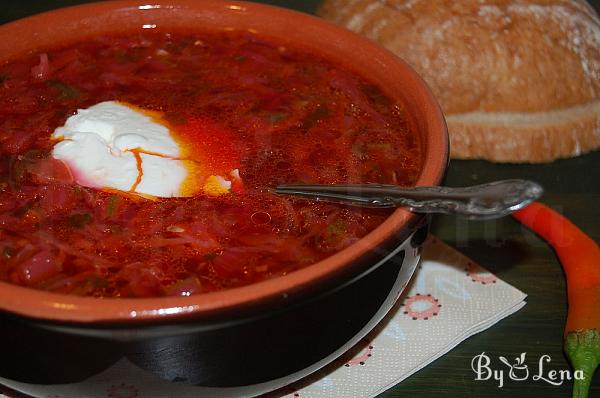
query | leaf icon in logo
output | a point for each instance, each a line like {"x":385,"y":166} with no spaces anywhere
{"x":518,"y":371}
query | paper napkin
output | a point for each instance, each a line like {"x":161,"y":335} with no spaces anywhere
{"x":450,"y":298}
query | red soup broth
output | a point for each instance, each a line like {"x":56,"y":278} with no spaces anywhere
{"x":292,"y":117}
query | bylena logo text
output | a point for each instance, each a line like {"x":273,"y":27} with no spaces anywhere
{"x":484,"y":369}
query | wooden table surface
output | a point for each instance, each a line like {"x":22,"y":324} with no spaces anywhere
{"x":505,"y":248}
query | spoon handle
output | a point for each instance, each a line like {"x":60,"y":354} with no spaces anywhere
{"x":485,"y":201}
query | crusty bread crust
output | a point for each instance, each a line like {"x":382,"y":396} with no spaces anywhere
{"x":518,"y":80}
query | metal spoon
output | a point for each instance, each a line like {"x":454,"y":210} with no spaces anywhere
{"x":480,"y":202}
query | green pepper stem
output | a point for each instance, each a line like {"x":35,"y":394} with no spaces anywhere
{"x":583,"y":350}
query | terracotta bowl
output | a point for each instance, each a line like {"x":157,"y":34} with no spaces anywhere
{"x":214,"y":315}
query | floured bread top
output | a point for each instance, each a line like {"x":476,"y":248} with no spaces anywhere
{"x":527,"y":56}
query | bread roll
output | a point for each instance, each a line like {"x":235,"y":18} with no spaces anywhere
{"x":518,"y":80}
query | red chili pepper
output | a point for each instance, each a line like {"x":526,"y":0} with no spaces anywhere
{"x":580,"y":259}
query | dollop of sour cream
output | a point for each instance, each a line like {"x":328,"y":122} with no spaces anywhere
{"x":114,"y":145}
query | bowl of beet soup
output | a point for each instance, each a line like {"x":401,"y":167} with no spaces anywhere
{"x":192,"y":263}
